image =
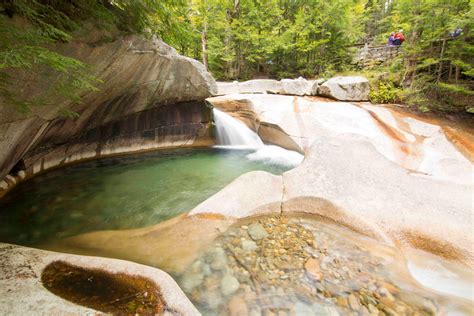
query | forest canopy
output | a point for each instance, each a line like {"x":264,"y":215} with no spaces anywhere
{"x":243,"y":39}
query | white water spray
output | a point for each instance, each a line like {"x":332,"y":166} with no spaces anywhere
{"x":233,"y":134}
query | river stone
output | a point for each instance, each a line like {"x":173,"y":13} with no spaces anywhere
{"x":313,"y":269}
{"x":346,"y":88}
{"x":303,"y":309}
{"x":237,"y":307}
{"x":191,"y":280}
{"x":249,"y":245}
{"x":229,"y":284}
{"x":322,"y":310}
{"x":353,"y":302}
{"x":257,"y":232}
{"x":218,"y":259}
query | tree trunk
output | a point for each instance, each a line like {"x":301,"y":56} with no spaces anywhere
{"x":450,"y":73}
{"x":205,"y":57}
{"x":441,"y":55}
{"x":458,"y":73}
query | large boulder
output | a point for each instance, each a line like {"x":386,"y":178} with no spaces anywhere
{"x":149,"y":95}
{"x":346,"y":89}
{"x":298,"y":86}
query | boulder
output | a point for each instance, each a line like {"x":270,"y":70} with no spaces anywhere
{"x":259,"y":86}
{"x":224,"y":88}
{"x":346,"y":89}
{"x":139,"y":76}
{"x":298,"y":86}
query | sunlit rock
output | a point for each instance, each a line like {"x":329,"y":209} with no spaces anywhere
{"x":346,"y":88}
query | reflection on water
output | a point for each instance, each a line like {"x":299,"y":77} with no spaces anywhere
{"x":299,"y":266}
{"x":119,"y":193}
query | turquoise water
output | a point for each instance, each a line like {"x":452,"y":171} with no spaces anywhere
{"x":119,"y":193}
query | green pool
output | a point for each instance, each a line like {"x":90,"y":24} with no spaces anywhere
{"x":120,"y":192}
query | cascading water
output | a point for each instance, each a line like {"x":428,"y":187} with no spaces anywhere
{"x":233,"y":134}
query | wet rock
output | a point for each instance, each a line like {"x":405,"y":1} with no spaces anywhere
{"x":353,"y":302}
{"x":191,"y":280}
{"x":313,"y":269}
{"x":249,"y":245}
{"x":212,"y":300}
{"x":237,"y":307}
{"x":193,"y":277}
{"x":303,"y":309}
{"x":255,"y":312}
{"x":229,"y":284}
{"x":342,"y":301}
{"x":212,"y":283}
{"x":323,"y":310}
{"x":257,"y":232}
{"x":218,"y":259}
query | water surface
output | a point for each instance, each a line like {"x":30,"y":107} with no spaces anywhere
{"x":120,"y":192}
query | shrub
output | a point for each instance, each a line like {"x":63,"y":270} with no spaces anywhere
{"x":384,"y":92}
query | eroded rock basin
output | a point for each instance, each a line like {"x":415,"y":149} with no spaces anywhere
{"x":295,"y":265}
{"x":103,"y":291}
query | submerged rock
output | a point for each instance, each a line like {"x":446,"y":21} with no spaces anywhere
{"x":229,"y":285}
{"x":304,"y":267}
{"x":249,"y":245}
{"x":257,"y":232}
{"x":237,"y":307}
{"x":313,"y":269}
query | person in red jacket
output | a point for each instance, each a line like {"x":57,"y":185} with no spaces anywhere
{"x":398,"y":38}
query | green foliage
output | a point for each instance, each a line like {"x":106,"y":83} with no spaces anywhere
{"x":29,"y":30}
{"x":276,"y":38}
{"x":384,"y":92}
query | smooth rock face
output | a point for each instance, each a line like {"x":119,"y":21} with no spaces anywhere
{"x":138,"y":75}
{"x":21,"y":291}
{"x":346,"y":89}
{"x":263,"y":195}
{"x":365,"y":167}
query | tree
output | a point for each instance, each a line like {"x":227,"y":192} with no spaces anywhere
{"x":29,"y":28}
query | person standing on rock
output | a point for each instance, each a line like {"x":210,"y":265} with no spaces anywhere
{"x":399,"y":38}
{"x":391,"y":38}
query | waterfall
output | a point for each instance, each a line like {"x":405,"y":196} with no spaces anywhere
{"x":233,"y":134}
